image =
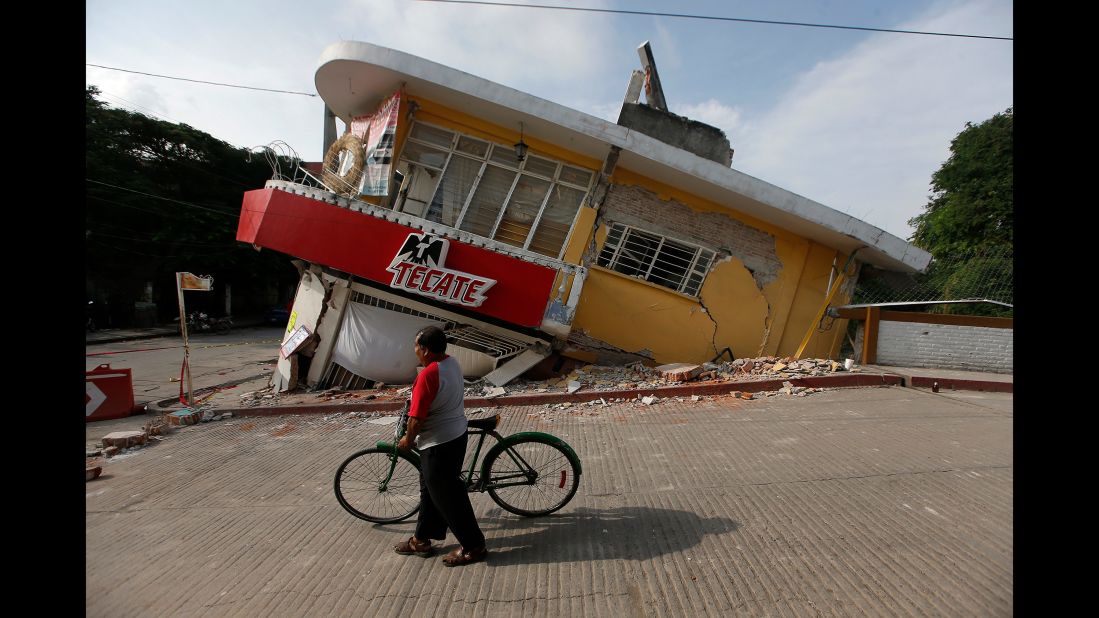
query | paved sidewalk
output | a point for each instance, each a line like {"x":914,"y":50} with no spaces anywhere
{"x":948,"y":379}
{"x":874,"y":501}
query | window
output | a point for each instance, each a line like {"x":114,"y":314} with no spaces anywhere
{"x":671,"y":263}
{"x":481,"y":188}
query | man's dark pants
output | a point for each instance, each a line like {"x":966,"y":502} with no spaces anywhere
{"x":444,"y":501}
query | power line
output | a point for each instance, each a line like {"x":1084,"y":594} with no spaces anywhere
{"x":138,"y":109}
{"x":167,"y":199}
{"x":138,"y":208}
{"x":164,"y":157}
{"x":191,"y":255}
{"x":158,"y":241}
{"x":199,"y":81}
{"x":715,"y":18}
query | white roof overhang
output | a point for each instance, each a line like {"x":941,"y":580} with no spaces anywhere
{"x":353,"y":77}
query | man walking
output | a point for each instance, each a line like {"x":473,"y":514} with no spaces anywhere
{"x":437,"y":427}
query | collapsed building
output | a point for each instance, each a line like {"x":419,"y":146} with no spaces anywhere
{"x":525,"y":228}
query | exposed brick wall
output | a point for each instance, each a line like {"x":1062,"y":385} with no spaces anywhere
{"x":946,"y":346}
{"x":639,"y":207}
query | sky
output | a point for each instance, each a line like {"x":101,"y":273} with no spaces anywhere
{"x":855,"y":120}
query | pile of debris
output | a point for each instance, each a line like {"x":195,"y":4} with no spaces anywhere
{"x":638,"y":376}
{"x":263,"y":397}
{"x":602,"y":378}
{"x":121,"y":444}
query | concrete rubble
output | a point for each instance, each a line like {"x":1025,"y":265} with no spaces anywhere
{"x":638,"y":376}
{"x":124,"y":439}
{"x":589,"y":378}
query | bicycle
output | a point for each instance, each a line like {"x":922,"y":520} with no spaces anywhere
{"x":528,"y":473}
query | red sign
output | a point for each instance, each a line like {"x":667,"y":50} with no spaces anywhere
{"x":108,"y":393}
{"x":418,"y":268}
{"x":444,"y":270}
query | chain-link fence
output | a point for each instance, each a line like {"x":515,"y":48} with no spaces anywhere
{"x":977,"y":275}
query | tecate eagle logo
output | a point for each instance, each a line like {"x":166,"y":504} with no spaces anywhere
{"x":418,"y":268}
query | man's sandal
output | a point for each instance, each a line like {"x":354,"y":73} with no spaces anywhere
{"x":414,"y":547}
{"x":461,"y":556}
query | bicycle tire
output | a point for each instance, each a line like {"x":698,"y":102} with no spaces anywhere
{"x":358,"y":481}
{"x":556,"y":481}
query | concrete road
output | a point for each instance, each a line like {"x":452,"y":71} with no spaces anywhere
{"x":215,"y":359}
{"x":863,"y":501}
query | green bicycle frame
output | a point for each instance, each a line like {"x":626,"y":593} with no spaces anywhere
{"x":505,"y":444}
{"x":483,"y":481}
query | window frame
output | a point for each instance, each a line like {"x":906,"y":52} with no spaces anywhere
{"x":612,"y":262}
{"x":486,"y":160}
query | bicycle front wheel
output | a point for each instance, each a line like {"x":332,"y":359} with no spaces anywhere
{"x":363,"y":489}
{"x":532,"y":477}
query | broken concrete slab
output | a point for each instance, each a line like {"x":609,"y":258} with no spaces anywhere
{"x":494,"y":392}
{"x":574,"y":386}
{"x":679,"y":372}
{"x":186,"y":416}
{"x":125,"y":439}
{"x":518,"y":365}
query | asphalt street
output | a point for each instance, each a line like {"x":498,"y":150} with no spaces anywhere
{"x":214,"y":359}
{"x":857,"y":501}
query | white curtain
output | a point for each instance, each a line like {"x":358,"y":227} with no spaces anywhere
{"x":377,"y":343}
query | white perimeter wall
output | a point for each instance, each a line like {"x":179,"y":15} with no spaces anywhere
{"x":976,"y":348}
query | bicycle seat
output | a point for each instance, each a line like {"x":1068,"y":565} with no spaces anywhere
{"x":485,"y":424}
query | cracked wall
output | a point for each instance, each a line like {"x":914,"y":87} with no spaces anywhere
{"x":637,"y":206}
{"x":759,"y":297}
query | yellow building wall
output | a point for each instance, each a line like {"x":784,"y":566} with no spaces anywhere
{"x":637,"y":316}
{"x":808,"y":301}
{"x":732,"y":311}
{"x":433,"y":113}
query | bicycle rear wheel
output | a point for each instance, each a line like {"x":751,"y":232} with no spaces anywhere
{"x":532,"y":477}
{"x":359,"y":486}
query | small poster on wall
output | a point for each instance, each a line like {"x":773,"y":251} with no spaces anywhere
{"x":295,"y":340}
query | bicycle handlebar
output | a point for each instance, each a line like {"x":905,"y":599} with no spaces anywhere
{"x":402,"y":423}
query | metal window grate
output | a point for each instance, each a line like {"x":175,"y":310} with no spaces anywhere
{"x":462,"y":335}
{"x":673,"y":264}
{"x":491,"y":344}
{"x":337,"y":375}
{"x":366,"y":299}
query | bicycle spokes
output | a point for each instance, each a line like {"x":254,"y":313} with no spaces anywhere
{"x":384,"y":484}
{"x":532,"y":477}
{"x":378,"y":486}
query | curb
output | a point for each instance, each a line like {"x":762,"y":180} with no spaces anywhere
{"x":722,"y":388}
{"x":962,"y":385}
{"x":171,"y":402}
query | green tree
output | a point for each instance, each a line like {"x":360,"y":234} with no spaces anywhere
{"x":972,"y":200}
{"x":968,"y":224}
{"x":163,"y":197}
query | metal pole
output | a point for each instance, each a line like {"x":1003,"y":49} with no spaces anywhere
{"x":186,"y":345}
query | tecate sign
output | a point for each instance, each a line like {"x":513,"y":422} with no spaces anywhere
{"x":419,"y":268}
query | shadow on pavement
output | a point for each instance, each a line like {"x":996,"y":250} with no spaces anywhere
{"x":586,"y":534}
